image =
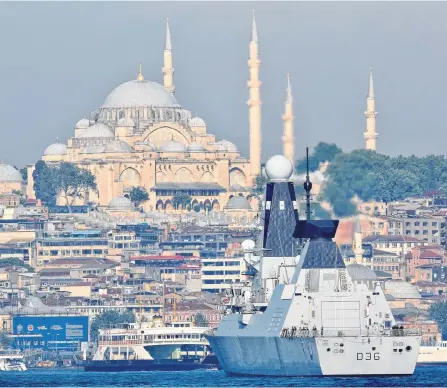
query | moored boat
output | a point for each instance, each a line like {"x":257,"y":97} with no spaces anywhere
{"x":152,"y":346}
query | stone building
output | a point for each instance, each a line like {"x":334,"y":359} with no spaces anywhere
{"x":142,"y":136}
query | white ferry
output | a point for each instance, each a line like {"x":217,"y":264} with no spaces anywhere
{"x":11,"y":362}
{"x":152,"y":346}
{"x":433,"y":353}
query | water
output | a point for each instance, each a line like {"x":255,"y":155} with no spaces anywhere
{"x":425,"y":376}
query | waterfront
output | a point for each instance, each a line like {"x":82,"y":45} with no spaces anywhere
{"x":425,"y":376}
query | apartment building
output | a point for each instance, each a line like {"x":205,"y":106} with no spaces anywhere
{"x":219,"y":273}
{"x":397,"y":244}
{"x":65,"y":244}
{"x":431,"y":229}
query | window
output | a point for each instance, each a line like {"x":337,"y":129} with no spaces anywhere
{"x":425,"y":223}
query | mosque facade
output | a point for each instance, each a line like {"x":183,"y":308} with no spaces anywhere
{"x":142,"y":137}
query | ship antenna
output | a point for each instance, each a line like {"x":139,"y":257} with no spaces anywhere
{"x":307,"y":186}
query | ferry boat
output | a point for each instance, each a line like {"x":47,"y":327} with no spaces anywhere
{"x":433,"y":353}
{"x":12,"y":363}
{"x":301,"y":314}
{"x":152,"y":346}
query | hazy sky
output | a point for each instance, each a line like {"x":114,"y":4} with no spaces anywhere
{"x":59,"y":61}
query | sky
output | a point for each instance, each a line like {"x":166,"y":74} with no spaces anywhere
{"x":59,"y":61}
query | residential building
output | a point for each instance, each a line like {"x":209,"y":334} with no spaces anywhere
{"x":219,"y":273}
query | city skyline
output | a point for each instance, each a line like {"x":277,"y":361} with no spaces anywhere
{"x":60,"y":75}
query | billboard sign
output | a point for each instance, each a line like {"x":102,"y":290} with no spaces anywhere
{"x":49,"y":331}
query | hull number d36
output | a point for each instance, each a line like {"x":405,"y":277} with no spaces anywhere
{"x":368,"y":356}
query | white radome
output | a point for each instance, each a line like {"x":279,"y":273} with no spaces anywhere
{"x":279,"y":168}
{"x":248,"y":245}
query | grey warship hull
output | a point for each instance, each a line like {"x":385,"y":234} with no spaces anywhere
{"x":302,"y":314}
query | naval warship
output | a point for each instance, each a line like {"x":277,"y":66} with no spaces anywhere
{"x":301,"y":314}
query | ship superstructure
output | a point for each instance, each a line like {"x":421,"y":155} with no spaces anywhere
{"x":302,"y":314}
{"x":152,"y":346}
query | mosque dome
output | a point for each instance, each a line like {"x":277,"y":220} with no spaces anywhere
{"x":140,"y":93}
{"x":56,"y":149}
{"x":125,"y":122}
{"x":236,"y":187}
{"x":238,"y":202}
{"x":196,"y":147}
{"x":197,"y":122}
{"x":359,"y":272}
{"x":118,"y":146}
{"x":172,"y":146}
{"x":120,"y":203}
{"x":97,"y":130}
{"x":279,"y":168}
{"x":146,"y":146}
{"x":9,"y":174}
{"x":93,"y":149}
{"x":400,"y":289}
{"x":83,"y":123}
{"x":248,"y":245}
{"x":225,"y":145}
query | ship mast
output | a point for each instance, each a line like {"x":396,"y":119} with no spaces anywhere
{"x":307,"y":186}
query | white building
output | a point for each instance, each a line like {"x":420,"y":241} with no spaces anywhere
{"x":219,"y":273}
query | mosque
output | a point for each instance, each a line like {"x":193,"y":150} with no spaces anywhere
{"x":142,"y":137}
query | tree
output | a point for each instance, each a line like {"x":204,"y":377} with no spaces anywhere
{"x":323,"y":152}
{"x":138,"y":195}
{"x":24,"y":172}
{"x":438,"y":312}
{"x":5,"y":340}
{"x":181,"y":198}
{"x":73,"y":182}
{"x":15,"y":262}
{"x":260,"y":182}
{"x":21,"y":195}
{"x":108,"y":318}
{"x":45,"y":184}
{"x":200,"y":320}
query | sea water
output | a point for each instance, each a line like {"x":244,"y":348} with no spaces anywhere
{"x":424,"y":376}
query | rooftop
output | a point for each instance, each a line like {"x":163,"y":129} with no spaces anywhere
{"x":391,"y":238}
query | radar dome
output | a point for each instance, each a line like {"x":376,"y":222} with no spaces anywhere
{"x":279,"y":168}
{"x":248,"y":245}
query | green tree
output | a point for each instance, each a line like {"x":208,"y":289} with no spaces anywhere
{"x":5,"y":340}
{"x":15,"y":262}
{"x":138,"y":195}
{"x":21,"y":195}
{"x":260,"y":182}
{"x":45,"y":183}
{"x":73,"y":182}
{"x":181,"y":198}
{"x":24,"y":172}
{"x":320,"y":213}
{"x":200,"y":320}
{"x":323,"y":152}
{"x":107,"y":319}
{"x":438,"y":312}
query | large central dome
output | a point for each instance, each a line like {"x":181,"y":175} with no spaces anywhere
{"x":140,"y":93}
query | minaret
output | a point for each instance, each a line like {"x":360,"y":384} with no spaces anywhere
{"x":254,"y":103}
{"x":168,"y":70}
{"x":357,"y":242}
{"x":370,"y":114}
{"x":287,"y":139}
